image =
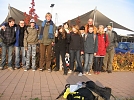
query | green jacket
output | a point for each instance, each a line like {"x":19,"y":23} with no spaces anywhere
{"x":30,"y":36}
{"x":45,"y":40}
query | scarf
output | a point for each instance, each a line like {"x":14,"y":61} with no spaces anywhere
{"x":50,"y":32}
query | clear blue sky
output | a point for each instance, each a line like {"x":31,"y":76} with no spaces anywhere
{"x":121,"y":11}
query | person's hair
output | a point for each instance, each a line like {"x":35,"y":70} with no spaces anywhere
{"x":65,"y":24}
{"x":100,"y":32}
{"x":11,"y":19}
{"x":48,"y":14}
{"x":21,"y":20}
{"x":77,"y":28}
{"x":87,"y":28}
{"x":91,"y":26}
{"x":62,"y":33}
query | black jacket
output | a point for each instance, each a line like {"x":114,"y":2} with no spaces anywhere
{"x":8,"y":35}
{"x":75,"y":41}
{"x":61,"y":43}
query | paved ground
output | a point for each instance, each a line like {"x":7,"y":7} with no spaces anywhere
{"x":20,"y":85}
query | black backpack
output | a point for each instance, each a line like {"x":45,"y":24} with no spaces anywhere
{"x":103,"y":92}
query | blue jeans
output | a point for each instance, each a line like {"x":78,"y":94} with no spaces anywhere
{"x":75,"y":54}
{"x":17,"y":56}
{"x":31,"y":50}
{"x":9,"y":49}
{"x":88,"y":61}
{"x":82,"y":59}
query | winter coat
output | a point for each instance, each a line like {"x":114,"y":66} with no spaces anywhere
{"x":45,"y":40}
{"x":75,"y":41}
{"x":90,"y":45}
{"x":60,"y":43}
{"x":20,"y":36}
{"x":30,"y":36}
{"x":102,"y":44}
{"x":8,"y":35}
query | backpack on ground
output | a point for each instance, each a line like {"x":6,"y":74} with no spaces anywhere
{"x":103,"y":92}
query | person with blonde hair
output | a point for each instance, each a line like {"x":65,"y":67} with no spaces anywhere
{"x":75,"y":48}
{"x":102,"y":45}
{"x":46,"y":38}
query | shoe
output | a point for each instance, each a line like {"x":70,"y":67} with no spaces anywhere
{"x":84,"y":73}
{"x":10,"y":68}
{"x":98,"y":72}
{"x":26,"y":69}
{"x":49,"y":70}
{"x":88,"y":73}
{"x":1,"y":68}
{"x":40,"y":69}
{"x":33,"y":70}
{"x":70,"y":71}
{"x":109,"y":71}
{"x":16,"y":68}
{"x":56,"y":69}
{"x":95,"y":72}
{"x":80,"y":74}
{"x":103,"y":70}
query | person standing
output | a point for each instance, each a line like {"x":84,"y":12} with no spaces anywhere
{"x":110,"y":51}
{"x":46,"y":38}
{"x":82,"y":32}
{"x":30,"y":44}
{"x":8,"y":39}
{"x":102,"y":45}
{"x":90,"y":49}
{"x":60,"y":48}
{"x":19,"y":45}
{"x":75,"y":48}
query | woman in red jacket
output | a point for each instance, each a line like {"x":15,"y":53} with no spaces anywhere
{"x":102,"y":45}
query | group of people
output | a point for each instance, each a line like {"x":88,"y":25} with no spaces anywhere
{"x":88,"y":45}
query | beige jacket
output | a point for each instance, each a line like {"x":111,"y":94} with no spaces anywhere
{"x":30,"y":36}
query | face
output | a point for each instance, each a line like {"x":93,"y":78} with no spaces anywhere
{"x":32,"y":24}
{"x":91,"y":29}
{"x":11,"y":23}
{"x":82,"y":31}
{"x":21,"y":23}
{"x":109,"y":28}
{"x":74,"y":30}
{"x":48,"y":18}
{"x":65,"y":26}
{"x":90,"y":22}
{"x":101,"y":29}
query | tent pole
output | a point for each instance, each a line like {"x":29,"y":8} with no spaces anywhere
{"x":9,"y":13}
{"x":94,"y":15}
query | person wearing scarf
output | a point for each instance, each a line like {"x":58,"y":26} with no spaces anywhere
{"x":46,"y":38}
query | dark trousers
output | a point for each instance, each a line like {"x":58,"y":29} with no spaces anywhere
{"x":45,"y":55}
{"x":98,"y":63}
{"x":57,"y":54}
{"x":75,"y":54}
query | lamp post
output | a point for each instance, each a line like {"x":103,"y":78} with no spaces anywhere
{"x":52,"y":5}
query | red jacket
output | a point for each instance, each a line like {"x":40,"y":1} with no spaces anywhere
{"x":102,"y":44}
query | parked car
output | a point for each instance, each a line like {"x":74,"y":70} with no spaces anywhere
{"x":124,"y":47}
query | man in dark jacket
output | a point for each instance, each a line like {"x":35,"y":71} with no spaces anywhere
{"x":113,"y":42}
{"x":8,"y":39}
{"x":19,"y":46}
